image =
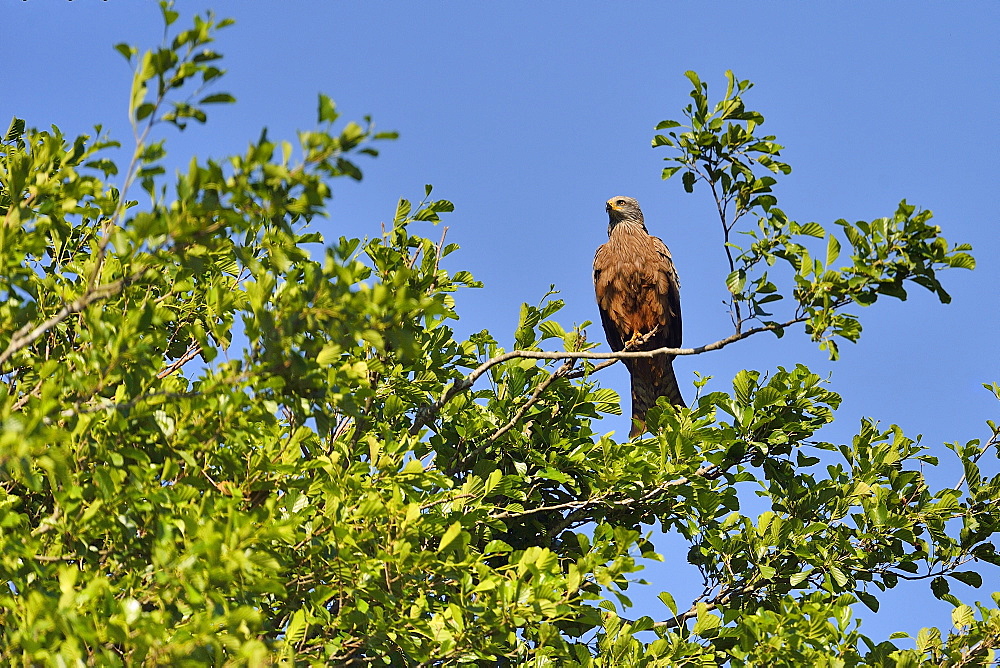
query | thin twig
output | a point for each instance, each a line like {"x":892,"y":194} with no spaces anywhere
{"x":122,"y":405}
{"x":16,"y":206}
{"x":341,"y":427}
{"x":993,"y":443}
{"x":984,"y":647}
{"x":440,"y":247}
{"x":630,"y":346}
{"x":193,"y":350}
{"x":69,"y":558}
{"x":535,"y":396}
{"x":26,"y":397}
{"x":723,"y":598}
{"x":130,"y":174}
{"x":721,"y":205}
{"x":28,"y":334}
{"x":580,"y":373}
{"x":606,"y":498}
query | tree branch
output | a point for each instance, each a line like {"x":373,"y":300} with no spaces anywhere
{"x":630,"y":346}
{"x":120,"y":406}
{"x":428,"y":412}
{"x":535,"y":396}
{"x":26,"y":397}
{"x":723,"y":598}
{"x":193,"y":350}
{"x":28,"y":334}
{"x":606,"y":498}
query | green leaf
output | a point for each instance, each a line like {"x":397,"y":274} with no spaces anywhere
{"x":218,"y":98}
{"x":169,"y":14}
{"x":551,"y":328}
{"x":497,"y":546}
{"x":693,"y":78}
{"x":688,"y":180}
{"x":706,"y":623}
{"x":327,"y":110}
{"x":644,"y":623}
{"x":403,"y":208}
{"x":297,"y":628}
{"x":14,"y":130}
{"x":971,"y":578}
{"x":492,"y":480}
{"x":744,"y":383}
{"x":668,"y":172}
{"x":870,"y":601}
{"x":668,"y":601}
{"x":812,"y":230}
{"x":736,"y":281}
{"x":127,"y":50}
{"x":832,"y":250}
{"x":939,"y":587}
{"x":798,"y":578}
{"x":449,"y":536}
{"x":962,"y":616}
{"x":144,"y":111}
{"x":928,"y":639}
{"x":962,"y":261}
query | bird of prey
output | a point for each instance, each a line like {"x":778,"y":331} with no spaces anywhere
{"x":638,"y":293}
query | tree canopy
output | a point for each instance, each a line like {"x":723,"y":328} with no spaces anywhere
{"x":355,"y":484}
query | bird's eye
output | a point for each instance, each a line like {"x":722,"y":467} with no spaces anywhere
{"x":620,"y":202}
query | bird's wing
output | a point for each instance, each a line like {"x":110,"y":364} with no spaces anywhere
{"x":668,"y":291}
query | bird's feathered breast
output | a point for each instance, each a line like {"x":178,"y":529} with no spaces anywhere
{"x":637,"y":288}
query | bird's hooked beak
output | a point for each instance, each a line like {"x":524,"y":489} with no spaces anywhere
{"x":614,"y":213}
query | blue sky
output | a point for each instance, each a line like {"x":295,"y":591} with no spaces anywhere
{"x":530,"y":115}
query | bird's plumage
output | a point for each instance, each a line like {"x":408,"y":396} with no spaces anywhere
{"x":638,"y":292}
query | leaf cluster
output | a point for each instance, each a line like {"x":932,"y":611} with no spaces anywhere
{"x":721,"y":147}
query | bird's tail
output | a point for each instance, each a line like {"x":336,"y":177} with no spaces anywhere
{"x":652,"y":378}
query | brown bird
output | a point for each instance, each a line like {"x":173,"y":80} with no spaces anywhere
{"x":637,"y":293}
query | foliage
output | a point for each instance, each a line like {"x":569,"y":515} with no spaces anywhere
{"x":721,"y":149}
{"x":340,"y":490}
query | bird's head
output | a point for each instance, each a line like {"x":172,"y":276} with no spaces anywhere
{"x":622,"y":209}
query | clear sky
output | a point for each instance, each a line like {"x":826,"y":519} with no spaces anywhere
{"x":530,"y":115}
